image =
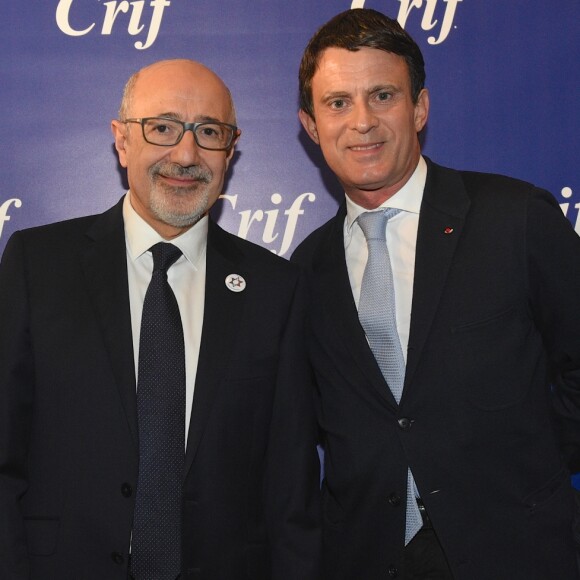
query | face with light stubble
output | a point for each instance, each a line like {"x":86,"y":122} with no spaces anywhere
{"x":366,"y":122}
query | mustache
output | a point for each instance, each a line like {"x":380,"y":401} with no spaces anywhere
{"x":174,"y":170}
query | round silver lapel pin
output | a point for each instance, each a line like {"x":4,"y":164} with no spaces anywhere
{"x":235,"y":283}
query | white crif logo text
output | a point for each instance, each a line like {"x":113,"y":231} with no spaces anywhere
{"x":567,"y":194}
{"x":429,"y":21}
{"x":135,"y":16}
{"x":4,"y":211}
{"x":270,"y":222}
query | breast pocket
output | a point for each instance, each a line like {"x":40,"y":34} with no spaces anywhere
{"x":547,"y":493}
{"x":492,"y":359}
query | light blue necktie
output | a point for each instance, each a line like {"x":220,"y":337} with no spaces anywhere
{"x":378,"y":317}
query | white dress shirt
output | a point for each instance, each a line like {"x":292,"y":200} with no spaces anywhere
{"x":401,"y":241}
{"x":186,"y":278}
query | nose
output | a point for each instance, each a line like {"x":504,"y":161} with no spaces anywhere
{"x":363,"y":117}
{"x":186,"y":152}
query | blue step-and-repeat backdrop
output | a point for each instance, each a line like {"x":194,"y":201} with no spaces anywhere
{"x":503,"y":77}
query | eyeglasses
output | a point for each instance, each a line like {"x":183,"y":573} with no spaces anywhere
{"x":165,"y":132}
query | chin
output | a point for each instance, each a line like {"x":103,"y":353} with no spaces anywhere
{"x":179,"y":217}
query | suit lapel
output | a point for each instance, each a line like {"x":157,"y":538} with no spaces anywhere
{"x":223,"y":311}
{"x":104,"y":263}
{"x":443,"y":210}
{"x":339,"y":307}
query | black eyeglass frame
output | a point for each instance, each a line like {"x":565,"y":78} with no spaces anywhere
{"x":186,"y":127}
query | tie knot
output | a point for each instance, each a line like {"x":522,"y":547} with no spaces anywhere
{"x":164,"y":256}
{"x":374,"y":223}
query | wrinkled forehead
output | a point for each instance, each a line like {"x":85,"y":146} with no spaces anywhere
{"x":338,"y":66}
{"x":188,"y":90}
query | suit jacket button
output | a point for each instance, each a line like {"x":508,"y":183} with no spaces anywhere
{"x":117,"y":558}
{"x":393,"y":572}
{"x":126,"y":490}
{"x":395,"y":499}
{"x":405,"y":423}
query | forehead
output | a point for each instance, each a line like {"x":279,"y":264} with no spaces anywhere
{"x":188,"y":90}
{"x":340,"y":68}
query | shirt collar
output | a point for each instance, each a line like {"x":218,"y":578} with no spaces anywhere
{"x":140,"y":236}
{"x":408,"y":198}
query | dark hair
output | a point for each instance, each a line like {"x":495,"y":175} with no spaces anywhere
{"x":352,"y":30}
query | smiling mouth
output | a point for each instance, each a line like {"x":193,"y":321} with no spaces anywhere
{"x":179,"y":179}
{"x":183,"y":180}
{"x":365,"y":147}
{"x":180,"y":176}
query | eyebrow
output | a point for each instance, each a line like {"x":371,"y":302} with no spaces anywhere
{"x":375,"y":89}
{"x":385,"y":87}
{"x":334,"y":95}
{"x":199,"y":118}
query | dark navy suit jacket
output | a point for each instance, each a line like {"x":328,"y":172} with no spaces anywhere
{"x":489,"y":421}
{"x":68,"y":421}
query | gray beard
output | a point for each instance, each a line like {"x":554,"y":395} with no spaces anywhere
{"x":162,"y":200}
{"x":164,"y":212}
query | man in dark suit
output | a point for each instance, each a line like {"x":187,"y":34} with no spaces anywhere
{"x":465,"y":474}
{"x":72,"y":426}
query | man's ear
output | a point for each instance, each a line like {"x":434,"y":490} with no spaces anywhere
{"x":230,"y":152}
{"x":309,"y":125}
{"x":120,"y":134}
{"x":422,"y":110}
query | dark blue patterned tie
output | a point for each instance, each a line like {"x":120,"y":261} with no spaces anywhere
{"x":378,"y":316}
{"x":156,"y":539}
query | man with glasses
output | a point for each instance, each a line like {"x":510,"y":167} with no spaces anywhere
{"x":155,"y":411}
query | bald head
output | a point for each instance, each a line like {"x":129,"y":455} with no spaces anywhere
{"x":159,"y":72}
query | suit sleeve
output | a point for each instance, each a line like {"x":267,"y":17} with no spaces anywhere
{"x":554,"y":275}
{"x":292,"y":490}
{"x":16,"y":407}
